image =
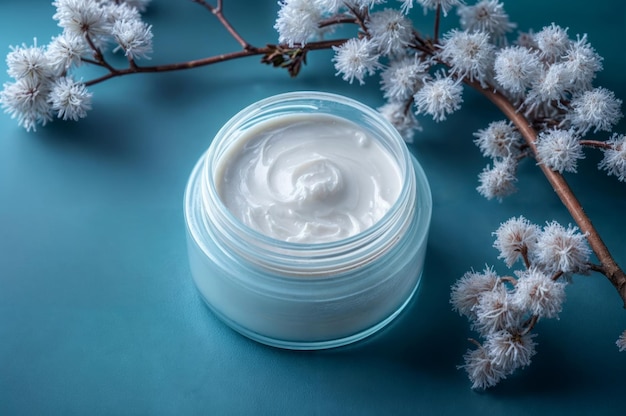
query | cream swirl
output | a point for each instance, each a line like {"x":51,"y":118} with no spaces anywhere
{"x":308,"y":178}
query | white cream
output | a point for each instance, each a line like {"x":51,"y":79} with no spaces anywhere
{"x":308,"y":178}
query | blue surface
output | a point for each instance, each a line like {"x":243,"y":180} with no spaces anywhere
{"x":98,"y":312}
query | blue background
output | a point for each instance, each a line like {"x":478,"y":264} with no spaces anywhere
{"x":98,"y":312}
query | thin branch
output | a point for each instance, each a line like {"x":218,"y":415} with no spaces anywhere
{"x":611,"y":269}
{"x":113,"y":72}
{"x":437,"y":23}
{"x":337,"y":19}
{"x":597,"y":144}
{"x":219,"y":14}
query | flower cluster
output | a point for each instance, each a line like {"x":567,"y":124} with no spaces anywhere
{"x":504,"y":310}
{"x":542,"y":81}
{"x":43,"y":85}
{"x":547,"y":75}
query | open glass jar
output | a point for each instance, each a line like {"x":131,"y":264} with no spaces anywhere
{"x":307,"y":295}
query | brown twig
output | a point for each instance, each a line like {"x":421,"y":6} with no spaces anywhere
{"x":610,"y":268}
{"x":219,"y":14}
{"x":596,"y":144}
{"x":437,"y":23}
{"x":113,"y":72}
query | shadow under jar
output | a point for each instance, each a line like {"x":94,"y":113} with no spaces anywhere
{"x":302,"y":294}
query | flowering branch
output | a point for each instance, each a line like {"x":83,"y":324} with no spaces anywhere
{"x":543,"y":84}
{"x":268,"y":52}
{"x":609,"y":267}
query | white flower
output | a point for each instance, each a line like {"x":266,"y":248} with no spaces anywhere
{"x":552,"y":41}
{"x":498,"y":181}
{"x":561,"y":249}
{"x":134,"y":37}
{"x":365,"y":4}
{"x":445,"y":5}
{"x":66,"y":50}
{"x":467,"y":290}
{"x":499,"y":140}
{"x":515,"y":237}
{"x":140,"y":5}
{"x":402,"y":78}
{"x":509,"y":351}
{"x":597,"y":108}
{"x":330,"y":6}
{"x":26,"y":101}
{"x":582,"y":62}
{"x":439,"y":97}
{"x":70,"y":99}
{"x":526,"y":40}
{"x":297,"y":21}
{"x":120,"y":11}
{"x":551,"y":86}
{"x":29,"y":62}
{"x":516,"y":68}
{"x":469,"y":54}
{"x":621,"y":342}
{"x":486,"y":16}
{"x":401,"y":118}
{"x":493,"y":311}
{"x":559,"y":150}
{"x":538,"y":294}
{"x":614,"y":160}
{"x":391,"y":32}
{"x":481,"y":370}
{"x":356,"y":58}
{"x":82,"y":17}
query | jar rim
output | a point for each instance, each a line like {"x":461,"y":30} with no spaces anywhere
{"x":320,"y":253}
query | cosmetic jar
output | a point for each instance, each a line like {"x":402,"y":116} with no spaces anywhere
{"x":306,"y":295}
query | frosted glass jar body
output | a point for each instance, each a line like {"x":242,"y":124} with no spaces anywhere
{"x":307,"y":296}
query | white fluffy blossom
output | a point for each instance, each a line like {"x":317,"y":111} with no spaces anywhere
{"x":134,"y":37}
{"x":515,"y":237}
{"x":82,"y":17}
{"x":297,"y":21}
{"x":621,"y":342}
{"x":66,"y":50}
{"x":538,"y":294}
{"x":391,"y":31}
{"x":583,"y":62}
{"x":402,"y":78}
{"x":469,"y":54}
{"x":481,"y":370}
{"x":493,"y":311}
{"x":70,"y":99}
{"x":559,"y":150}
{"x":466,"y":291}
{"x":516,"y":68}
{"x":498,"y":181}
{"x":29,"y":62}
{"x":596,"y":109}
{"x":330,"y":6}
{"x":120,"y":11}
{"x":26,"y":100}
{"x":499,"y":140}
{"x":445,"y":5}
{"x":140,"y":5}
{"x":561,"y":249}
{"x":552,"y":42}
{"x":486,"y":16}
{"x":365,"y":4}
{"x":614,"y":160}
{"x":509,"y":351}
{"x":551,"y":86}
{"x":355,"y":59}
{"x":397,"y":113}
{"x":439,"y":97}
